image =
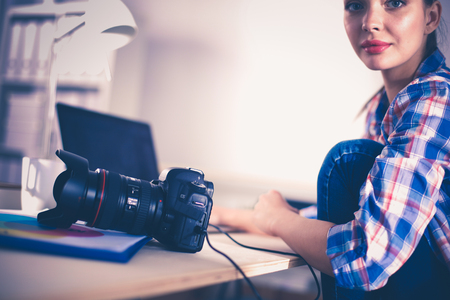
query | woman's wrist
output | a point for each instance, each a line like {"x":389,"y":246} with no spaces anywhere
{"x":282,"y":222}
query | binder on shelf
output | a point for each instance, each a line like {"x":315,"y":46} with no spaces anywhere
{"x":12,"y":65}
{"x":29,"y":50}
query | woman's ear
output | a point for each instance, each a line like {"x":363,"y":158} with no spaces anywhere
{"x":433,"y":15}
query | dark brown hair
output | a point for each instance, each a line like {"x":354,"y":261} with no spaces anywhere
{"x":432,"y":37}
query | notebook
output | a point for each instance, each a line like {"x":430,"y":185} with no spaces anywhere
{"x":108,"y":142}
{"x":21,"y":231}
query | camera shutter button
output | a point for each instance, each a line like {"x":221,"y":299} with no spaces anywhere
{"x":197,"y":187}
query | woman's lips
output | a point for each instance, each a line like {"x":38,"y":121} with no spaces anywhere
{"x":374,"y":46}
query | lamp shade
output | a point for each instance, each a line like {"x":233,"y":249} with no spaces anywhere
{"x":83,"y":41}
{"x":111,"y":22}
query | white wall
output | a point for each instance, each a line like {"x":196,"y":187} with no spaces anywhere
{"x":247,"y":90}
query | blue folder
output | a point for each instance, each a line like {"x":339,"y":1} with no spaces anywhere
{"x":24,"y":232}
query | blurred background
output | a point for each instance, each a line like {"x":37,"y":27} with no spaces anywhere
{"x":252,"y":92}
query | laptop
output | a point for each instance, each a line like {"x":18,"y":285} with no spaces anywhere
{"x":108,"y":142}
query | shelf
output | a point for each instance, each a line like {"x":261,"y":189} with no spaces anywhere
{"x":27,"y":68}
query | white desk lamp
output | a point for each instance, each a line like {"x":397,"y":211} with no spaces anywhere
{"x":85,"y":33}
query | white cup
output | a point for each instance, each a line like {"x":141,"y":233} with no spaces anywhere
{"x":38,"y":177}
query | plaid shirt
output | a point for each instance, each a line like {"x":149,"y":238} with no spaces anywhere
{"x":407,"y":192}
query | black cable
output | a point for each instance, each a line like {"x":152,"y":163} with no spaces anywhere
{"x":264,"y":250}
{"x":237,"y":268}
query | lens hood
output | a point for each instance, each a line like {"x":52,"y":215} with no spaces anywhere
{"x":69,"y":191}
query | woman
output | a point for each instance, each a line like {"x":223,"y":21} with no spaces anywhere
{"x":384,"y":201}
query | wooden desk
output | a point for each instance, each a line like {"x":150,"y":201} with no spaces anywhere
{"x":152,"y":271}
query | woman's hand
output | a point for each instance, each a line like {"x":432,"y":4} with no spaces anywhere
{"x":270,"y":211}
{"x":272,"y":215}
{"x":270,"y":207}
{"x":240,"y":219}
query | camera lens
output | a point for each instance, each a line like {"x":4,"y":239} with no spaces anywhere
{"x":117,"y":202}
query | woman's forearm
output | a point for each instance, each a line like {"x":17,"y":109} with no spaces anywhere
{"x":274,"y":216}
{"x":306,"y":237}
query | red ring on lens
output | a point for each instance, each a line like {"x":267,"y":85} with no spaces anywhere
{"x":101,"y":196}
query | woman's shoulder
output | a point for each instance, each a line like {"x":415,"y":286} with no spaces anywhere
{"x":429,"y":87}
{"x":441,"y":76}
{"x":426,"y":95}
{"x":433,"y":70}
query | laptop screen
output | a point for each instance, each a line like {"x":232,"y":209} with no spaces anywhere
{"x":108,"y":142}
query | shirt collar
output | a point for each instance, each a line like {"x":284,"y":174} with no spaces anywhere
{"x":431,"y":64}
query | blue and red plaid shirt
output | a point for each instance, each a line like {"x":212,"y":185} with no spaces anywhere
{"x":407,"y":192}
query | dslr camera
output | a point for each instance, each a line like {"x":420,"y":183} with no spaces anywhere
{"x":174,"y":209}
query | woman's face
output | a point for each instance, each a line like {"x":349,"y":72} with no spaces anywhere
{"x":387,"y":34}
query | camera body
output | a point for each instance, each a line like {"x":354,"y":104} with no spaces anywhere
{"x":174,"y":209}
{"x":188,"y":207}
